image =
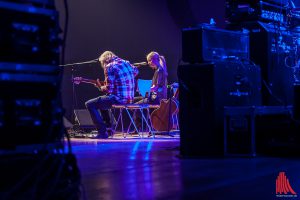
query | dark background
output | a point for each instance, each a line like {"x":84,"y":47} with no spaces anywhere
{"x":131,"y":29}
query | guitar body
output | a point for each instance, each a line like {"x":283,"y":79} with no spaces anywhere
{"x":163,"y":118}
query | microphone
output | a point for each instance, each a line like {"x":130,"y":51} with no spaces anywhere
{"x":140,"y":64}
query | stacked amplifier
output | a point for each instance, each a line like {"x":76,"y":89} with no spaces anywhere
{"x":29,"y":34}
{"x":253,"y":10}
{"x":273,"y":27}
{"x":205,"y":88}
{"x":216,"y":72}
{"x":208,"y":43}
{"x":283,"y":12}
{"x":31,"y":113}
{"x":275,"y":49}
{"x":29,"y":75}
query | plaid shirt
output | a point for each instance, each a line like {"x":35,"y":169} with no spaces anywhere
{"x":120,"y":79}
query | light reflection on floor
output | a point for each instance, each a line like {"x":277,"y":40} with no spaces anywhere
{"x":153,"y":169}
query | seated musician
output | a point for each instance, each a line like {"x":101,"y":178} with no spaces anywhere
{"x":158,"y":89}
{"x":119,"y":88}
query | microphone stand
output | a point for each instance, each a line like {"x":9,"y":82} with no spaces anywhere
{"x":170,"y":117}
{"x":171,"y":95}
{"x":171,"y":98}
{"x":80,"y":63}
{"x":74,"y":100}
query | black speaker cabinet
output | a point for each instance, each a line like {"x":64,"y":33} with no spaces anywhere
{"x":83,"y":118}
{"x":67,"y":123}
{"x":204,"y":91}
{"x":277,"y":131}
{"x":29,"y":37}
{"x":296,"y":105}
{"x":207,"y":43}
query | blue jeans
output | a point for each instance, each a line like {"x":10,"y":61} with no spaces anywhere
{"x":101,"y":119}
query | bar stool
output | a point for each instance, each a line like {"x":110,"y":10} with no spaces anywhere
{"x":130,"y":110}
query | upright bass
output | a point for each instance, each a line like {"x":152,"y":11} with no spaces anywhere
{"x":164,"y":117}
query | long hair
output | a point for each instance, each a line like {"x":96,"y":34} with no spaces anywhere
{"x":162,"y":60}
{"x":106,"y":57}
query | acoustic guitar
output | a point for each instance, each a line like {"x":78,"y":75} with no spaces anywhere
{"x":163,"y":118}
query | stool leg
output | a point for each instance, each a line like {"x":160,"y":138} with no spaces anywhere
{"x":119,"y":117}
{"x":129,"y":126}
{"x":142,"y":124}
{"x":112,"y":121}
{"x":142,"y":121}
{"x":122,"y":125}
{"x":151,"y":129}
{"x":146,"y":121}
{"x":132,"y":121}
{"x":135,"y":119}
{"x":176,"y":117}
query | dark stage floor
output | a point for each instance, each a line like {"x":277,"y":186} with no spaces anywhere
{"x":135,"y":168}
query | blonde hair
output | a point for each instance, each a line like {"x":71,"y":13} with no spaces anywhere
{"x":106,"y":58}
{"x":162,"y":61}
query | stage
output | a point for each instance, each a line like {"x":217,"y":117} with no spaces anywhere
{"x":147,"y":168}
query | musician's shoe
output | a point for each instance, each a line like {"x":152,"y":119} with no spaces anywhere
{"x":102,"y":136}
{"x":109,"y":132}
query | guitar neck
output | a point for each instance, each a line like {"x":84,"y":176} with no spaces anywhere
{"x":85,"y":80}
{"x":78,"y":80}
{"x":176,"y":94}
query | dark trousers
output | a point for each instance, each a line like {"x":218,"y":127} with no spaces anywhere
{"x":101,"y":119}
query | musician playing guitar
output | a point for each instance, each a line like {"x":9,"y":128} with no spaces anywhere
{"x":159,"y":83}
{"x":158,"y":89}
{"x":118,"y":86}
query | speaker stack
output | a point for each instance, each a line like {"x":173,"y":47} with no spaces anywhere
{"x":253,"y":65}
{"x":274,"y":49}
{"x":33,"y":153}
{"x":274,"y":45}
{"x":204,"y":91}
{"x":217,"y":73}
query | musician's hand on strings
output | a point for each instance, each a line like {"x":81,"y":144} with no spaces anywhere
{"x":102,"y":88}
{"x":98,"y":83}
{"x":153,"y":88}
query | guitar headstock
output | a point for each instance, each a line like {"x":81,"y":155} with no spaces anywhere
{"x":77,"y":80}
{"x":175,"y":88}
{"x":175,"y":85}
